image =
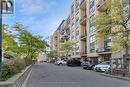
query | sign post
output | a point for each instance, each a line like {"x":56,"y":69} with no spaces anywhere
{"x":0,"y":35}
{"x":6,"y":7}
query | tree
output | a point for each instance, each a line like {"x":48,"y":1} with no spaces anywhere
{"x":8,"y":43}
{"x":29,"y":45}
{"x":67,"y":47}
{"x":114,"y":21}
{"x":50,"y":54}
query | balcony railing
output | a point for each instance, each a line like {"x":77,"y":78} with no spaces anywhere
{"x":83,"y":20}
{"x":83,"y":4}
{"x":64,"y":38}
{"x":83,"y":36}
{"x":83,"y":53}
{"x":103,"y":50}
{"x":100,"y":5}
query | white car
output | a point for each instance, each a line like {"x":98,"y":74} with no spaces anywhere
{"x":104,"y":66}
{"x":61,"y":62}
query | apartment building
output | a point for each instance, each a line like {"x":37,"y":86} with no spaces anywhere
{"x":78,"y":29}
{"x":81,"y":29}
{"x":55,"y":42}
{"x":83,"y":32}
{"x":61,"y":35}
{"x":64,"y":34}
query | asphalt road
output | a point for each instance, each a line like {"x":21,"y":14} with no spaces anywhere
{"x":49,"y":75}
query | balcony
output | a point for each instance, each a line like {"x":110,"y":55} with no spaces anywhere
{"x":64,"y":38}
{"x":83,"y":53}
{"x":103,"y":51}
{"x":83,"y":4}
{"x":83,"y":37}
{"x":83,"y":20}
{"x":101,"y":5}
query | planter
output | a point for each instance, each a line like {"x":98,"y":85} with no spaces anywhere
{"x":17,"y":80}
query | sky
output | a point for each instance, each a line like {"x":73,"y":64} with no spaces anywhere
{"x":42,"y":17}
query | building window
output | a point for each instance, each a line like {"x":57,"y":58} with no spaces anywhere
{"x":91,"y":7}
{"x":77,"y":48}
{"x":92,"y":44}
{"x":92,"y":29}
{"x":77,"y":33}
{"x":91,"y":21}
{"x":107,"y":43}
{"x":77,"y":23}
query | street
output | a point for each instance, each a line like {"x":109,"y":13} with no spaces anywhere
{"x":49,"y":75}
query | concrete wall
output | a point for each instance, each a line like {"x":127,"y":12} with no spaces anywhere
{"x":17,"y":80}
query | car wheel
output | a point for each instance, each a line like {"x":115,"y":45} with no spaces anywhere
{"x":84,"y":67}
{"x":60,"y":64}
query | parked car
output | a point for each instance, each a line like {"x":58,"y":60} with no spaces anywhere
{"x":89,"y":64}
{"x":60,"y":62}
{"x":8,"y":56}
{"x":73,"y":63}
{"x":104,"y":66}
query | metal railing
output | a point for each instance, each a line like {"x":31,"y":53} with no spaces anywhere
{"x":100,"y":4}
{"x":83,"y":18}
{"x":82,"y":1}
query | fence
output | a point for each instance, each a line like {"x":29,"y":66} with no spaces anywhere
{"x":117,"y":67}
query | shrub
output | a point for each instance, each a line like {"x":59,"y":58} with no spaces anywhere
{"x":10,"y":69}
{"x":6,"y":72}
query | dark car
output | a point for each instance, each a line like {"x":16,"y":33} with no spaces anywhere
{"x":73,"y":63}
{"x":8,"y":56}
{"x":89,"y":64}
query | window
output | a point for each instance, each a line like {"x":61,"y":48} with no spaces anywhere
{"x":77,"y":23}
{"x":91,"y":7}
{"x":72,"y":30}
{"x":91,"y":21}
{"x":77,"y":48}
{"x":72,"y":8}
{"x":92,"y":44}
{"x":92,"y":39}
{"x":92,"y":29}
{"x":77,"y":32}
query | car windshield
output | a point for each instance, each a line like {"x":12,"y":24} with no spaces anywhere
{"x":105,"y":63}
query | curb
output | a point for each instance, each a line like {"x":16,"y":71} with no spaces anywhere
{"x":117,"y":77}
{"x":26,"y":80}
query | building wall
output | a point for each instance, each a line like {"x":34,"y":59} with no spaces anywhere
{"x":87,"y":44}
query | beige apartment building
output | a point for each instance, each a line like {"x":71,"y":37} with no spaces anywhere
{"x":55,"y":42}
{"x":82,"y":31}
{"x":64,"y":34}
{"x":61,"y":35}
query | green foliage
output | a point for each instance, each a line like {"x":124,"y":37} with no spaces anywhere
{"x":67,"y":47}
{"x":21,"y":44}
{"x":9,"y":44}
{"x":50,"y":54}
{"x":113,"y":21}
{"x":10,"y":69}
{"x":30,"y":45}
{"x":6,"y":72}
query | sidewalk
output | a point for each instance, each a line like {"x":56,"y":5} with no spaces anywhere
{"x":117,"y":77}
